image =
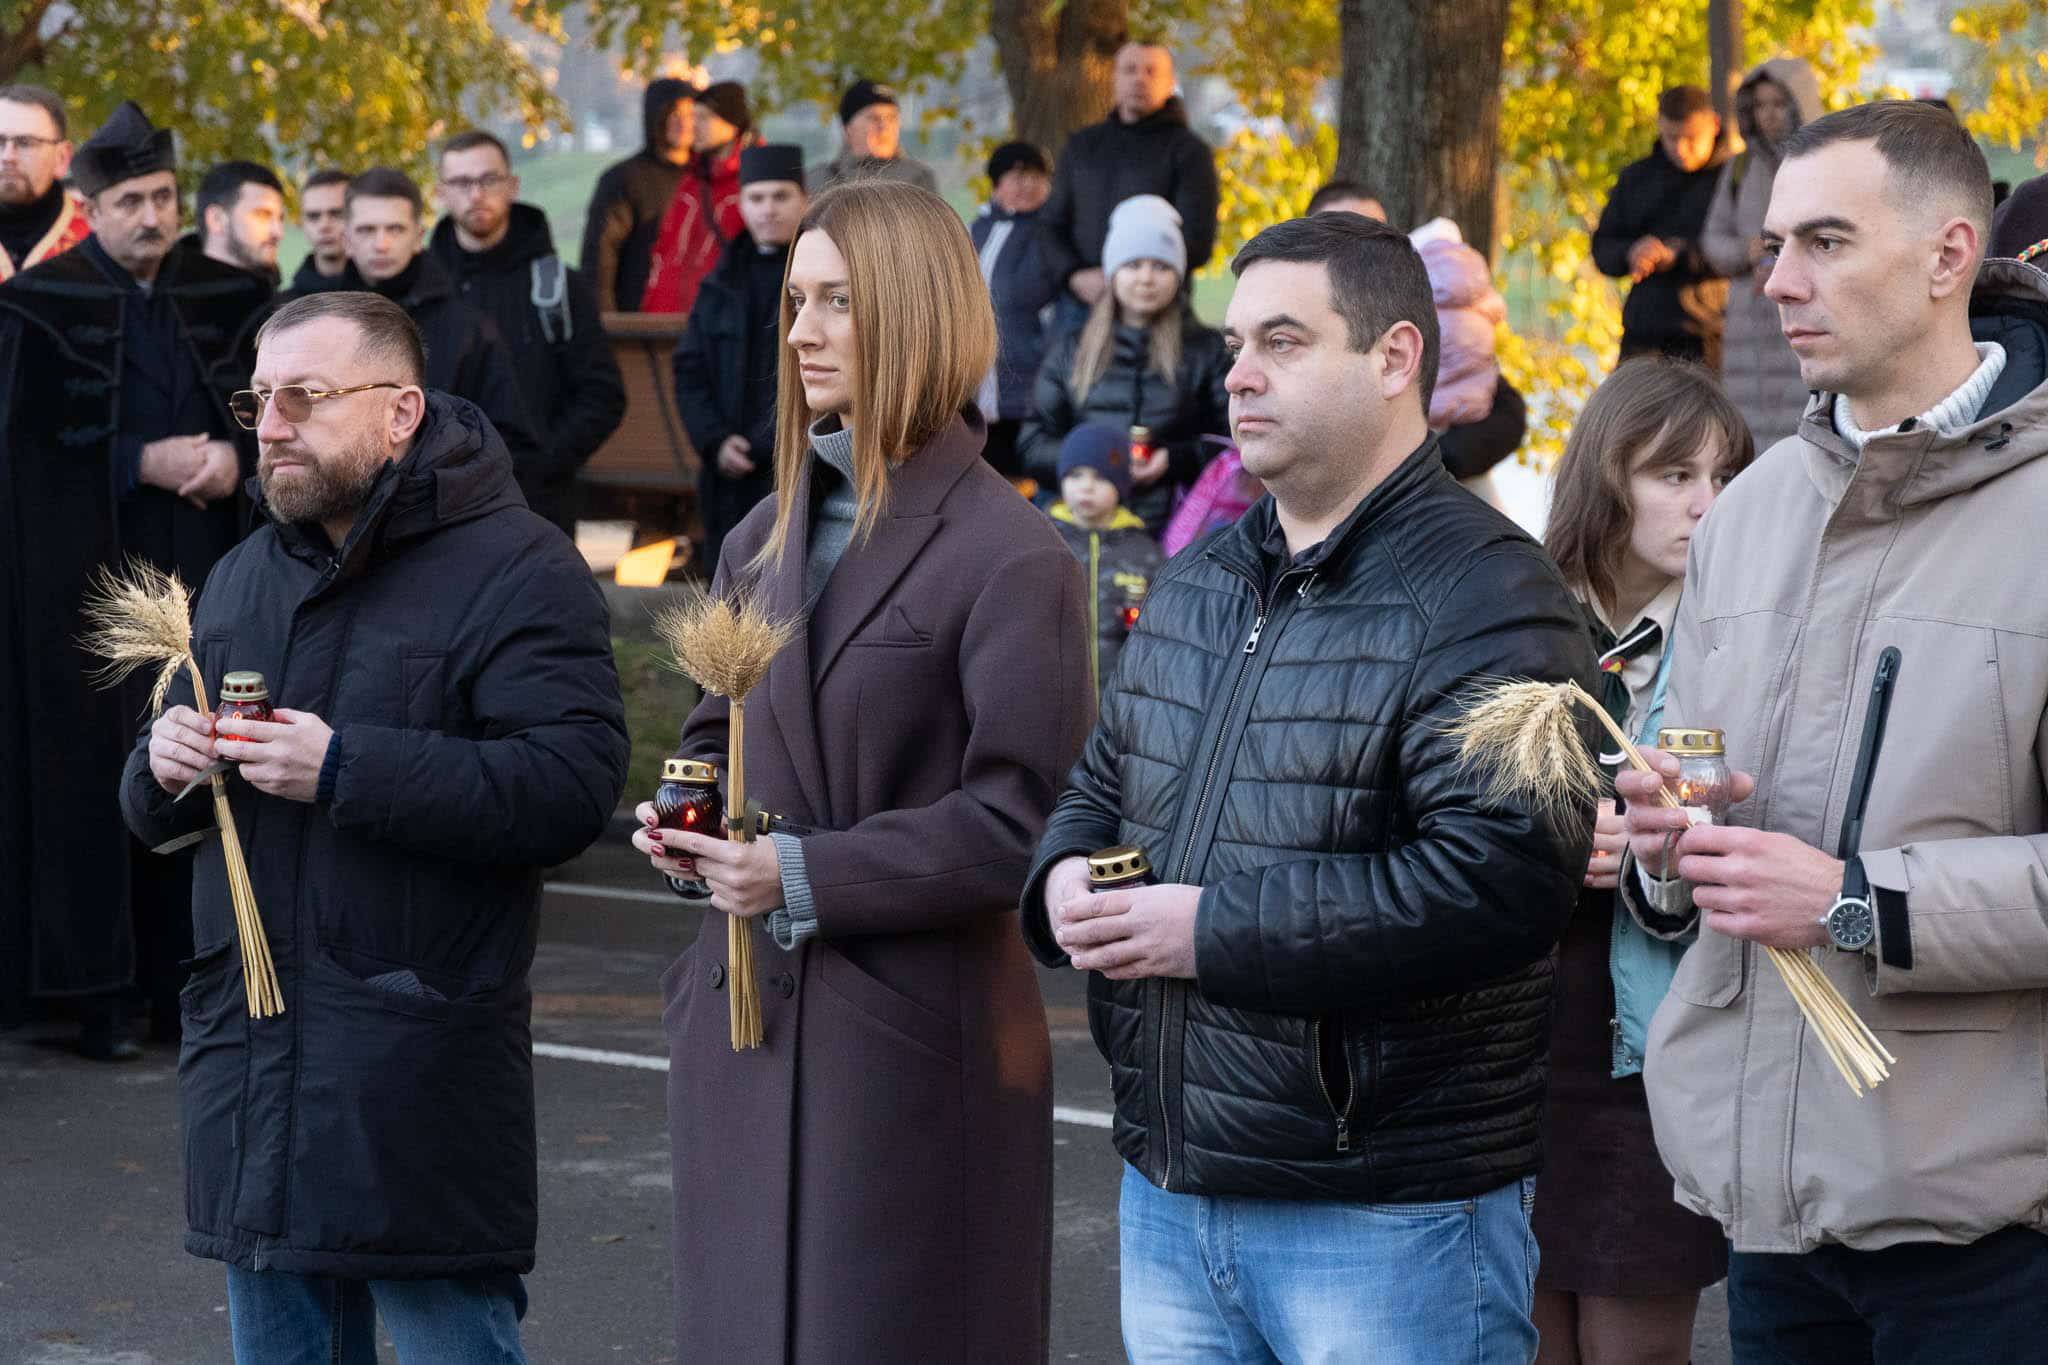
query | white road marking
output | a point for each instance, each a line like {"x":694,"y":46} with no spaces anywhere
{"x":1061,"y":1113}
{"x":611,"y":893}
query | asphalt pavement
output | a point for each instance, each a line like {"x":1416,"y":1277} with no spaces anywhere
{"x":92,"y":1266}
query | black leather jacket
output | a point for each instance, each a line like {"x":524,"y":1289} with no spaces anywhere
{"x":1370,"y":1014}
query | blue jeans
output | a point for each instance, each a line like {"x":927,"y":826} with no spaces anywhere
{"x":282,"y":1319}
{"x":1215,"y":1279}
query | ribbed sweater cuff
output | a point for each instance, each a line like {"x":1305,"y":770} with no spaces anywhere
{"x":797,"y":920}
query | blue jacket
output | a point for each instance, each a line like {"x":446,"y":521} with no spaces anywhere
{"x":1023,"y":285}
{"x":1642,"y":966}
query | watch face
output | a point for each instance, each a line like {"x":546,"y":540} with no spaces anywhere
{"x":1851,"y":926}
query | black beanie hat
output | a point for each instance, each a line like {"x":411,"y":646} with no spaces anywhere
{"x":860,"y":95}
{"x":1102,"y":448}
{"x":1013,"y":156}
{"x":772,"y":161}
{"x":127,"y":145}
{"x":728,"y":100}
{"x":2022,"y":221}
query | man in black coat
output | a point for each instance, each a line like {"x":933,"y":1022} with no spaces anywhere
{"x":1144,"y":147}
{"x":725,"y":363}
{"x":116,"y":362}
{"x":503,"y":260}
{"x":1327,"y":1025}
{"x":631,"y":196}
{"x":1649,"y":234}
{"x":448,"y":725}
{"x":466,"y":354}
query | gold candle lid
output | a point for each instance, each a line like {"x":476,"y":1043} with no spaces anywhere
{"x":1141,"y":434}
{"x":244,"y":686}
{"x":1119,"y":864}
{"x":1687,"y":743}
{"x":689,"y":770}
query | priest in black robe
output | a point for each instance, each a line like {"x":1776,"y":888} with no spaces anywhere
{"x":116,"y":363}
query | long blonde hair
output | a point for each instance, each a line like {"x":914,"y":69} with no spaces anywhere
{"x":1098,"y":343}
{"x":924,"y":335}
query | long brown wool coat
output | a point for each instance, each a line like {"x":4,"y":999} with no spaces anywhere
{"x":875,"y":1183}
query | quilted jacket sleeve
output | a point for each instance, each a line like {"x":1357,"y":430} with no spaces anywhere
{"x":1472,"y":890}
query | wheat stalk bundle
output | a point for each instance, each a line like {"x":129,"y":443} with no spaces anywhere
{"x":142,"y":618}
{"x":1522,"y":740}
{"x":725,"y":646}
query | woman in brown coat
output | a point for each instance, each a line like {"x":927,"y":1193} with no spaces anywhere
{"x":875,"y":1183}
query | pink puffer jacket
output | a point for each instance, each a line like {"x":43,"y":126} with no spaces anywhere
{"x":1468,"y":308}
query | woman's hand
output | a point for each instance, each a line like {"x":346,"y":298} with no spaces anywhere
{"x":1610,"y":837}
{"x":745,"y":879}
{"x":648,"y":839}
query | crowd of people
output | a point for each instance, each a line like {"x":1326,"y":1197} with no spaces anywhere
{"x":1405,"y":1067}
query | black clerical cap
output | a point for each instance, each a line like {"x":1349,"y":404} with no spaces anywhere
{"x":126,"y":145}
{"x":772,"y":161}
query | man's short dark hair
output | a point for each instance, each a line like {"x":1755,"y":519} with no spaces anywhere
{"x":222,"y":186}
{"x":1681,"y":102}
{"x":1925,"y":146}
{"x":473,"y":138}
{"x":386,"y":182}
{"x":323,"y":178}
{"x":1376,"y":277}
{"x":1340,"y":189}
{"x":388,"y":332}
{"x":42,"y":98}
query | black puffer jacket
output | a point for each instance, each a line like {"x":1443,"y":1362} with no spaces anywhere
{"x":1370,"y":1015}
{"x":383,"y":1126}
{"x":1106,"y":163}
{"x":1131,"y":393}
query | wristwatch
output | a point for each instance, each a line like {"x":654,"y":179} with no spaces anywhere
{"x":1850,"y":923}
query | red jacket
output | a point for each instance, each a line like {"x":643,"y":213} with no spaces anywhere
{"x":701,"y":219}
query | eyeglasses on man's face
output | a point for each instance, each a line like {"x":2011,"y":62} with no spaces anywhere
{"x":25,"y":143}
{"x":294,"y":401}
{"x":471,"y":184}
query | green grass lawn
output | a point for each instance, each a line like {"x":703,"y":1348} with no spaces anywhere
{"x":658,"y":700}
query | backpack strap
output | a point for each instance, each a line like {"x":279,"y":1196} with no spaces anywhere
{"x":550,"y":298}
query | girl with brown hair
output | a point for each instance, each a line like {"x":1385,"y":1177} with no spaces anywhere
{"x":1622,"y":1264}
{"x":875,"y":1182}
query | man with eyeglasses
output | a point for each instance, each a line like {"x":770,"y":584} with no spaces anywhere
{"x":116,"y":362}
{"x":502,"y":257}
{"x":466,"y":353}
{"x":39,"y":217}
{"x":448,"y":725}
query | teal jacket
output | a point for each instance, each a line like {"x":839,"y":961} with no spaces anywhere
{"x":1642,"y":966}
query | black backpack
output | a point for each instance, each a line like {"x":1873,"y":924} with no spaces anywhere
{"x":550,"y":298}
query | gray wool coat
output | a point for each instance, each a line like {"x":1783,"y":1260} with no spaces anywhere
{"x":875,"y":1183}
{"x":1758,"y":369}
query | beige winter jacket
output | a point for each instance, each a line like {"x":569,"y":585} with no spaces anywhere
{"x":1809,"y":565}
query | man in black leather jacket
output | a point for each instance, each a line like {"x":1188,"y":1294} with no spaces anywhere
{"x":1327,"y":1027}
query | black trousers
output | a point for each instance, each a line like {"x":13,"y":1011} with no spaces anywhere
{"x":1921,"y":1302}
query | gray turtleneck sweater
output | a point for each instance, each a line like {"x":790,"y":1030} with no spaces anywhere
{"x":831,"y":532}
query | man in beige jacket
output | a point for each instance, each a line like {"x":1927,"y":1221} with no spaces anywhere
{"x":1897,"y":543}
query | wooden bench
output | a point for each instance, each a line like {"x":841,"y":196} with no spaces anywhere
{"x":650,"y":452}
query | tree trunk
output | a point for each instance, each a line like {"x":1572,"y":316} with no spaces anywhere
{"x":21,"y":41}
{"x":1057,"y":61}
{"x":1419,"y":108}
{"x":1724,"y":61}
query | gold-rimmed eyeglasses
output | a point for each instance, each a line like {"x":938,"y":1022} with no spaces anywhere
{"x":294,"y":401}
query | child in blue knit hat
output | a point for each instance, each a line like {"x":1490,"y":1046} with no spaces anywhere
{"x":1108,"y":538}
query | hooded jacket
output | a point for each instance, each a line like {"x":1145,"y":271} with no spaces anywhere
{"x":1370,"y":1012}
{"x":703,"y":216}
{"x":571,"y":383}
{"x":1757,"y":368}
{"x":383,"y":1125}
{"x":627,"y":204}
{"x":1022,"y":284}
{"x":466,"y":354}
{"x":1811,"y":564}
{"x":1680,"y":306}
{"x":1108,"y":162}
